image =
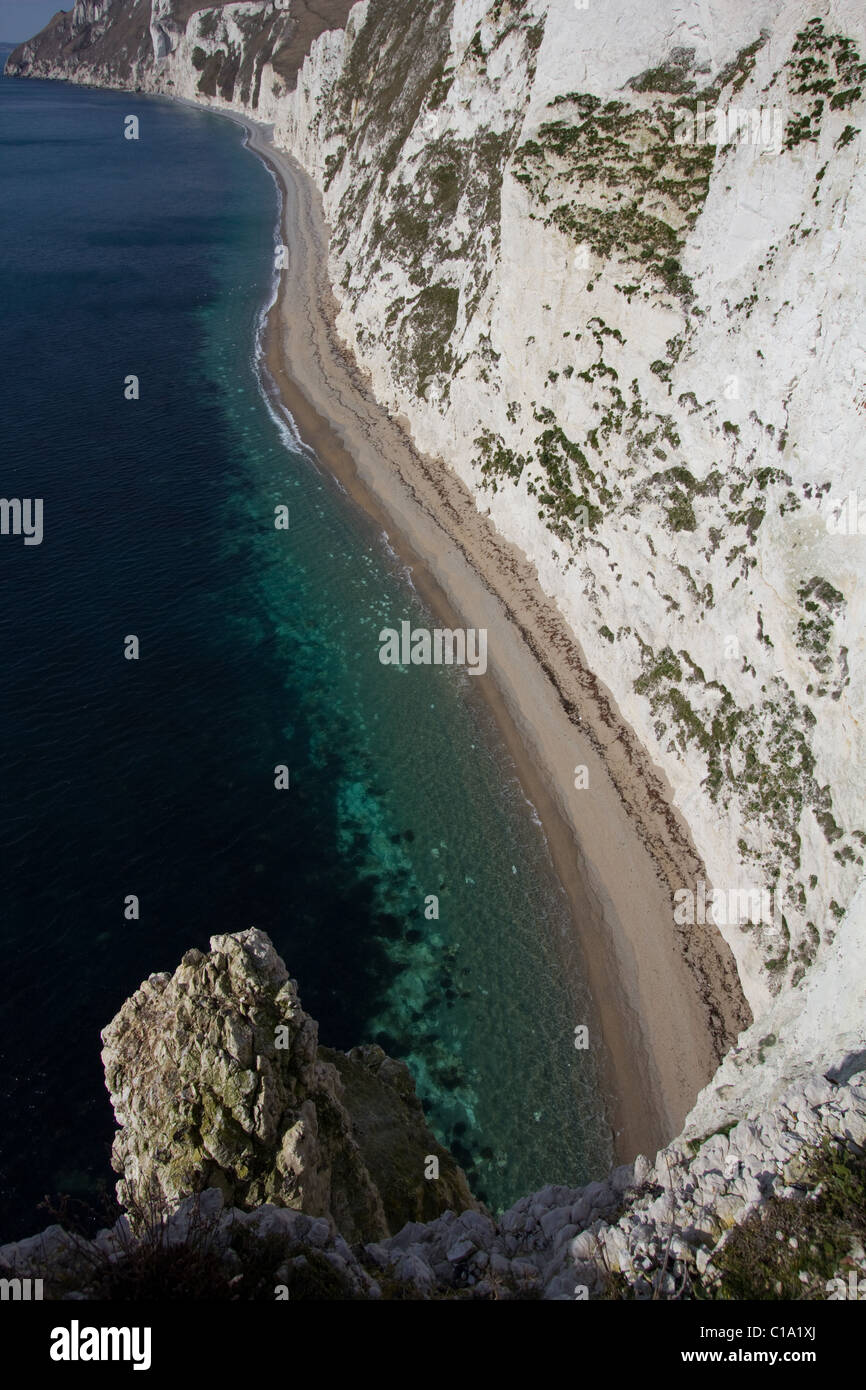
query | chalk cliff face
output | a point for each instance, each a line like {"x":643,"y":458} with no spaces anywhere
{"x":619,"y":342}
{"x":635,"y":330}
{"x":219,"y":53}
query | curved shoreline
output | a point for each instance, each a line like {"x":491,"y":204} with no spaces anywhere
{"x":668,"y":999}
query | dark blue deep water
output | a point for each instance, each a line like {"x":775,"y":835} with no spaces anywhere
{"x":156,"y":777}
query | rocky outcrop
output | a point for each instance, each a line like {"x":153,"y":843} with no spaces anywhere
{"x":257,"y":1164}
{"x":684,"y":1224}
{"x":218,"y":1081}
{"x":770,"y":1206}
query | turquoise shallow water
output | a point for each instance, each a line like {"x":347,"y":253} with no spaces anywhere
{"x":259,"y":647}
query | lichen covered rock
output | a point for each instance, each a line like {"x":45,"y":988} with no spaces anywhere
{"x":217,"y":1080}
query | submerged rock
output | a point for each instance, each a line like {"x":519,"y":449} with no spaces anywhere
{"x":217,"y":1080}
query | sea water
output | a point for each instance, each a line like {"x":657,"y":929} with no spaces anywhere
{"x":258,"y":648}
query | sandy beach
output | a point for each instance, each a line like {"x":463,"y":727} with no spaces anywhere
{"x":668,"y":1000}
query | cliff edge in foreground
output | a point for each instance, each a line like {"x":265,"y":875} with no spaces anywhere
{"x":257,"y":1165}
